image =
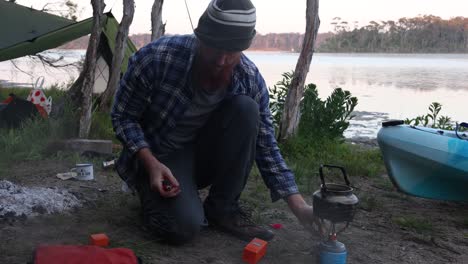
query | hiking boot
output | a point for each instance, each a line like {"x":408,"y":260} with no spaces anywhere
{"x":241,"y":226}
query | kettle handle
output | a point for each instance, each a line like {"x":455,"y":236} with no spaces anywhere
{"x":336,"y":167}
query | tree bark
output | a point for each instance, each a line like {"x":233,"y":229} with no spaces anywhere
{"x":291,"y":114}
{"x":89,"y":69}
{"x":157,"y":27}
{"x":120,"y":46}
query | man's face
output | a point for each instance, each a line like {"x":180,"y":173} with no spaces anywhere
{"x":218,"y":61}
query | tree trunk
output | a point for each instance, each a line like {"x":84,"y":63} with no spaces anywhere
{"x":157,"y":27}
{"x":120,"y":45}
{"x":89,"y":69}
{"x":291,"y":114}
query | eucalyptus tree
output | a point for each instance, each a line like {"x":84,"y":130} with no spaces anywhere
{"x":291,"y":114}
{"x":84,"y":95}
{"x":157,"y":27}
{"x":120,"y":46}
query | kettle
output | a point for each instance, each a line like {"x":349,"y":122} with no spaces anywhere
{"x":335,"y":202}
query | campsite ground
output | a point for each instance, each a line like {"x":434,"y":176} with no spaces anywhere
{"x":389,"y":227}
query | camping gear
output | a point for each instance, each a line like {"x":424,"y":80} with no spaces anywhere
{"x":38,"y":97}
{"x":254,"y":251}
{"x":108,"y":164}
{"x":15,"y":110}
{"x":84,"y":171}
{"x":332,"y":252}
{"x":35,"y":31}
{"x":426,"y":162}
{"x":100,"y":240}
{"x":334,"y":205}
{"x":60,"y":254}
{"x":335,"y":202}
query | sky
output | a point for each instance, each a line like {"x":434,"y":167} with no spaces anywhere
{"x":277,"y":16}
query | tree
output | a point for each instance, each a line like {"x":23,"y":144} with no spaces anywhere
{"x":157,"y":27}
{"x":120,"y":46}
{"x":86,"y":91}
{"x":290,"y":117}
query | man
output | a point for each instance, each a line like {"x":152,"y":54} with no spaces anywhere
{"x":191,"y":112}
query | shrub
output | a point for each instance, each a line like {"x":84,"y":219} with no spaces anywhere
{"x":319,"y":119}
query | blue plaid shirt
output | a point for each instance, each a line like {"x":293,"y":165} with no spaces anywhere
{"x":155,"y":92}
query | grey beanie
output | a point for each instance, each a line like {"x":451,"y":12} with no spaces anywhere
{"x":227,"y":25}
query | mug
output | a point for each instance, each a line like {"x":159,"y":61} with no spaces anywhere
{"x":84,"y":171}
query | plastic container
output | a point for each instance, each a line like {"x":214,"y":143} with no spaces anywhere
{"x":332,"y":252}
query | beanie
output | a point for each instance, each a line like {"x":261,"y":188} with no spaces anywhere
{"x":227,"y":25}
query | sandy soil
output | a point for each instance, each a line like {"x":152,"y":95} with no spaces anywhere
{"x":378,"y":235}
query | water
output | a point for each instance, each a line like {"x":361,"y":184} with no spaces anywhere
{"x":388,"y":86}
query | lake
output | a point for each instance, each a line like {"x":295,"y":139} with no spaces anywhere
{"x":388,"y":86}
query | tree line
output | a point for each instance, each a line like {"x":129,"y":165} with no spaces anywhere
{"x":290,"y":42}
{"x":422,"y":34}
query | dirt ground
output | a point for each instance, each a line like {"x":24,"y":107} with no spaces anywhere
{"x":389,"y":227}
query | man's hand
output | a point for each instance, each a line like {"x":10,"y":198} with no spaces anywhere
{"x":303,"y":212}
{"x":160,"y":177}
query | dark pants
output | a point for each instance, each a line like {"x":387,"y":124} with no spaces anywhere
{"x":222,"y":157}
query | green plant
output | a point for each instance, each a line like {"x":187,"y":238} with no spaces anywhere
{"x":415,"y":224}
{"x":319,"y":118}
{"x":304,"y":157}
{"x":432,"y":119}
{"x":278,"y":96}
{"x":101,"y":127}
{"x":368,"y":202}
{"x":329,"y":118}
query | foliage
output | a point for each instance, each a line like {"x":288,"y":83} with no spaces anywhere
{"x":30,"y":141}
{"x":319,"y":118}
{"x":432,"y":119}
{"x":304,"y":157}
{"x":101,"y":127}
{"x":424,"y":34}
{"x":278,"y":96}
{"x":329,"y":118}
{"x":319,"y":139}
{"x":420,"y":225}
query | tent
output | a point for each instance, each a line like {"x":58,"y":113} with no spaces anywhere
{"x":33,"y":31}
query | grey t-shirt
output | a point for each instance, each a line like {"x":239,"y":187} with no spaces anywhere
{"x":194,"y":118}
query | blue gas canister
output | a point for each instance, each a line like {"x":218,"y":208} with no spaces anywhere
{"x":332,"y":252}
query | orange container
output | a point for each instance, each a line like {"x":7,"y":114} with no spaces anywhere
{"x":254,"y":251}
{"x":99,"y":240}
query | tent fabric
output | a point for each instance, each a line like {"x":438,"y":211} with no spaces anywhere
{"x":55,"y":31}
{"x":22,"y":23}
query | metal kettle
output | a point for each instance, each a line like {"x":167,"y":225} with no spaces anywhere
{"x":335,"y":202}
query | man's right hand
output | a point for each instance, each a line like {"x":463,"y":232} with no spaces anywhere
{"x":161,"y":179}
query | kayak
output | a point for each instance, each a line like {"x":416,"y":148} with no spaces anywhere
{"x":426,"y":162}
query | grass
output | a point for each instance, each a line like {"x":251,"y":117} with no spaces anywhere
{"x":463,"y":221}
{"x":56,"y":91}
{"x":419,"y":225}
{"x":369,"y":202}
{"x":384,"y":183}
{"x":305,"y":159}
{"x":30,"y":141}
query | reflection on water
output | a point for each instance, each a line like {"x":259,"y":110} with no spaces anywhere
{"x":388,"y":86}
{"x":399,"y":85}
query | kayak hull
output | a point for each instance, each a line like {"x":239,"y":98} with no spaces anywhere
{"x":426,"y":162}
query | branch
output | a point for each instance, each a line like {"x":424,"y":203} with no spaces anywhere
{"x":19,"y":69}
{"x":52,"y":62}
{"x":54,"y":3}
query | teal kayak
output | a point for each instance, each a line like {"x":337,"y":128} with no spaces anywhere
{"x":426,"y":162}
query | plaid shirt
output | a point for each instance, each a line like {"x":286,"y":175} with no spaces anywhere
{"x":155,"y":92}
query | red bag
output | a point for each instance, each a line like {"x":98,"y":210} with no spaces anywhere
{"x":83,"y":255}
